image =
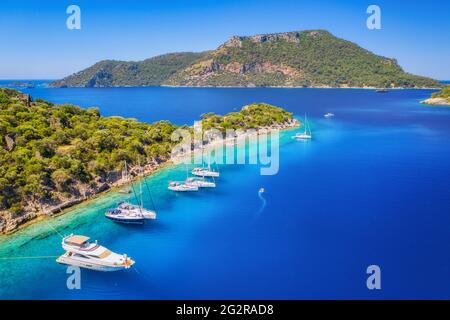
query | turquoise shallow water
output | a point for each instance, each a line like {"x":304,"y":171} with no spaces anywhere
{"x":373,"y":187}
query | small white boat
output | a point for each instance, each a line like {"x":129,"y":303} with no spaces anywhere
{"x":328,"y":115}
{"x":200,"y":183}
{"x":124,"y":216}
{"x":181,"y":187}
{"x":130,"y":213}
{"x":303,"y":136}
{"x":261,"y":190}
{"x":146,"y":213}
{"x":84,"y":254}
{"x":205,"y":172}
{"x":306,"y":135}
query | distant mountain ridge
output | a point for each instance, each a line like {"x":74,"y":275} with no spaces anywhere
{"x":112,"y":73}
{"x":312,"y":58}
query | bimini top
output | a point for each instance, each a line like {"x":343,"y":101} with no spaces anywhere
{"x":76,"y":240}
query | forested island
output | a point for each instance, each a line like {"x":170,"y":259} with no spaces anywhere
{"x":55,"y":156}
{"x":310,"y":58}
{"x":440,"y":98}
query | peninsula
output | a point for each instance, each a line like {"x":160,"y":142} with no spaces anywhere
{"x":55,"y":156}
{"x":441,"y":98}
{"x":311,"y":58}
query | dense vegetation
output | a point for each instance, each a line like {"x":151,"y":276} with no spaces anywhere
{"x":253,"y":116}
{"x":444,"y":93}
{"x":308,"y":58}
{"x":49,"y":153}
{"x":110,"y":73}
{"x":54,"y":148}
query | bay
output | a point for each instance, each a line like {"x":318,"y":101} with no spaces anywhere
{"x":372,"y":187}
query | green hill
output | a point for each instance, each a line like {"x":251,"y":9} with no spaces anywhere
{"x":111,"y":73}
{"x":313,"y":58}
{"x":310,"y":58}
{"x":444,"y":93}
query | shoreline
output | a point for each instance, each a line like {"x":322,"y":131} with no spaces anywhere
{"x":246,"y":87}
{"x":438,"y":102}
{"x":148,"y":171}
{"x":115,"y":187}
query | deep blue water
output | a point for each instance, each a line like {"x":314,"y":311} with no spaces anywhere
{"x":373,"y":187}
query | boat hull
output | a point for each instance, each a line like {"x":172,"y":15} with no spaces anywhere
{"x":88,"y":264}
{"x":303,"y":137}
{"x":206,"y":174}
{"x":183,"y":189}
{"x":149,"y":215}
{"x":126,"y":220}
{"x":203,"y":185}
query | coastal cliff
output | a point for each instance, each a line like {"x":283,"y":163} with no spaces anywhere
{"x":55,"y":156}
{"x":311,"y":58}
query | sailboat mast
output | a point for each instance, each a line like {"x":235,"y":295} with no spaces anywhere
{"x":306,"y":124}
{"x":140,"y":185}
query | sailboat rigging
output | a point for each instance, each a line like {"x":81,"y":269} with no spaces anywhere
{"x":306,"y":134}
{"x":129,"y":213}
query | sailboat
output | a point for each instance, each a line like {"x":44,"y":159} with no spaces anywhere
{"x":205,"y":172}
{"x":182,"y":186}
{"x":306,"y":135}
{"x":200,"y":182}
{"x":129,"y":213}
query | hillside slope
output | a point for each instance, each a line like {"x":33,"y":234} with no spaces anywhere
{"x":309,"y":58}
{"x":111,"y":73}
{"x":313,"y":58}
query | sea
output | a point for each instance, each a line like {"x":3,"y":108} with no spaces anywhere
{"x":372,"y":188}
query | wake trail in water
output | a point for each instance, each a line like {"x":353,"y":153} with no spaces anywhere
{"x":263,"y":203}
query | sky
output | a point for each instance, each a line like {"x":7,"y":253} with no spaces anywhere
{"x":36,"y":43}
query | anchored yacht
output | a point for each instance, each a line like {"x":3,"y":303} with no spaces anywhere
{"x":82,"y":253}
{"x":328,"y":115}
{"x":123,"y":216}
{"x":306,"y":135}
{"x":132,"y":208}
{"x":182,"y":187}
{"x":129,"y":213}
{"x":200,"y":183}
{"x":205,"y":172}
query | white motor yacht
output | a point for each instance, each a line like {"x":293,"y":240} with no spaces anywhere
{"x":181,"y":187}
{"x":328,"y":115}
{"x":200,"y":183}
{"x":82,"y":253}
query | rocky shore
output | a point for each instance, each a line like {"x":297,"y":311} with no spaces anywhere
{"x":437,"y":101}
{"x":10,"y":223}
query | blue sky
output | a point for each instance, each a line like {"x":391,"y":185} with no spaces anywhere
{"x":37,"y":45}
